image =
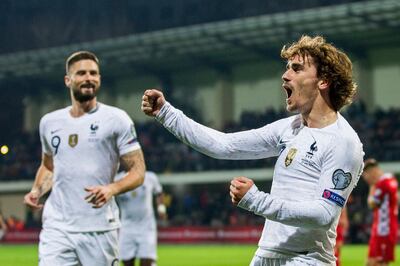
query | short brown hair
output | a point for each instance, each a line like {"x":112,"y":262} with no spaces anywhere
{"x":370,"y":163}
{"x":78,"y":56}
{"x":332,"y":65}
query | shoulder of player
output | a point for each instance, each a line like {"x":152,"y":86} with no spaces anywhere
{"x":55,"y":115}
{"x":115,"y":112}
{"x":283,"y":124}
{"x":150,"y":175}
{"x":388,"y":180}
{"x":344,"y":135}
{"x":345,"y":130}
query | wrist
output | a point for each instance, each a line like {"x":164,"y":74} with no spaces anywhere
{"x":35,"y":191}
{"x":113,"y":189}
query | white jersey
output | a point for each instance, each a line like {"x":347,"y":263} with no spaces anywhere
{"x":314,"y":174}
{"x":137,"y":212}
{"x":86,"y":152}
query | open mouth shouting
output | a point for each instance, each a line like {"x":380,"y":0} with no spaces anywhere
{"x":288,"y":91}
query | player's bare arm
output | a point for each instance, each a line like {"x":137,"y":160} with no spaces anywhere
{"x":371,"y":202}
{"x":134,"y":164}
{"x":161,"y":208}
{"x":42,"y":184}
{"x":152,"y":101}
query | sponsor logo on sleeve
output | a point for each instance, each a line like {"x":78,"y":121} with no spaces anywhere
{"x":335,"y":198}
{"x":340,"y":179}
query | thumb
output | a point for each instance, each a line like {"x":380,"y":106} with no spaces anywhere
{"x":153,"y":93}
{"x":242,"y":179}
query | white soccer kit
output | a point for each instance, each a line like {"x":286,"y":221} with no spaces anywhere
{"x":315,"y":172}
{"x":138,"y":233}
{"x":86,"y":152}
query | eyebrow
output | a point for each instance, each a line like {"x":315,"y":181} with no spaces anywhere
{"x":91,"y":71}
{"x":294,"y":65}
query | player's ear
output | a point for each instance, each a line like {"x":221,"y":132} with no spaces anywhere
{"x":67,"y":80}
{"x":323,"y":84}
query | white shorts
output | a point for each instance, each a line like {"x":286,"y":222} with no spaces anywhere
{"x":60,"y":248}
{"x":138,"y":246}
{"x":261,"y":261}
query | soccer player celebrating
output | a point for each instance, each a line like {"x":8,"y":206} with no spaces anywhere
{"x":382,"y":199}
{"x":82,"y":146}
{"x":138,"y":234}
{"x":320,"y":156}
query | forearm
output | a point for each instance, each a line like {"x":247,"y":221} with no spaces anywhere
{"x":199,"y":137}
{"x":161,"y":208}
{"x":43,"y":181}
{"x":232,"y":146}
{"x":310,"y":214}
{"x":371,"y":200}
{"x":135,"y":168}
{"x":130,"y":181}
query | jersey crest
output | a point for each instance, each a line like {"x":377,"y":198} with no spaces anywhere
{"x":313,"y":148}
{"x":73,"y":140}
{"x":290,"y":156}
{"x":93,"y":128}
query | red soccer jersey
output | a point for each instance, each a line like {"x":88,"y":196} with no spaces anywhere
{"x":385,"y":215}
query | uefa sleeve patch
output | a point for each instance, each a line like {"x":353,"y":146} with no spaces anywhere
{"x":335,"y":198}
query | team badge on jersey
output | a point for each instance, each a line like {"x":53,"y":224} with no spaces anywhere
{"x":94,"y":127}
{"x":340,"y":179}
{"x":313,"y":148}
{"x":290,"y":156}
{"x":73,"y":140}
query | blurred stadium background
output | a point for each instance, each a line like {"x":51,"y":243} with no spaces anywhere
{"x":216,"y":60}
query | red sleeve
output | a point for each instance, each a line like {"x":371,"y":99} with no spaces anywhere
{"x":380,"y":190}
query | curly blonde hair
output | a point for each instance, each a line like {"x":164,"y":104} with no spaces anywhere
{"x":332,"y":65}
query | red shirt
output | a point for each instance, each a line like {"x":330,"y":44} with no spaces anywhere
{"x":385,"y":214}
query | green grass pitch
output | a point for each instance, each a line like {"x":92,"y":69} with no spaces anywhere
{"x":184,"y":255}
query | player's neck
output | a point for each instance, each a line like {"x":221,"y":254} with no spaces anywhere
{"x":80,"y":108}
{"x":320,"y":116}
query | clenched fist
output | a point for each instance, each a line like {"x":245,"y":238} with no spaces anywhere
{"x":239,"y":187}
{"x":152,"y":101}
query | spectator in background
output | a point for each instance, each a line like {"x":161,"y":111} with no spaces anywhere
{"x":138,"y":234}
{"x":319,"y":155}
{"x":341,"y":232}
{"x":382,"y":199}
{"x":15,"y":224}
